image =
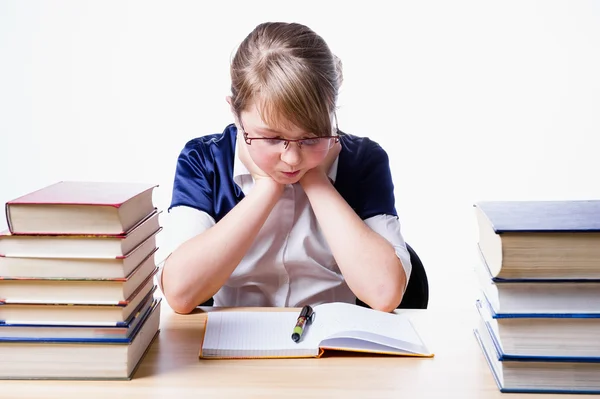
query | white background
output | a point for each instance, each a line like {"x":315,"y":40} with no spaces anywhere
{"x":472,"y":100}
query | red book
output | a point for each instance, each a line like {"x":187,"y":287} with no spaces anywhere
{"x":91,"y":246}
{"x":105,"y":208}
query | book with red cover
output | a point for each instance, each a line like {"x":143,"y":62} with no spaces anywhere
{"x":72,"y":207}
{"x":78,"y":246}
{"x":83,"y":290}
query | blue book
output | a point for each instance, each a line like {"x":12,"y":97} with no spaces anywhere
{"x":539,"y":374}
{"x":552,"y":240}
{"x":81,"y":359}
{"x":72,"y":333}
{"x":542,"y":335}
{"x":543,"y":296}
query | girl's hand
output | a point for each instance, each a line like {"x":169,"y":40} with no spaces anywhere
{"x":256,"y":172}
{"x":319,"y":173}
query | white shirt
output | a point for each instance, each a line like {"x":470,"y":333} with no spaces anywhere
{"x":290,"y":263}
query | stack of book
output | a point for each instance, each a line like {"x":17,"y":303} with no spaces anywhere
{"x":540,"y":305}
{"x":77,"y":281}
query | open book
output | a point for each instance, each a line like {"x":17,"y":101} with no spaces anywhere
{"x":336,"y":326}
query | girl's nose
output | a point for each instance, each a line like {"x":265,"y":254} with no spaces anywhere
{"x":292,"y":154}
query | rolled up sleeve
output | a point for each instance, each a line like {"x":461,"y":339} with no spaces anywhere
{"x":388,"y":227}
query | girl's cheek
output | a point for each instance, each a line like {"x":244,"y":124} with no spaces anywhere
{"x":264,"y":162}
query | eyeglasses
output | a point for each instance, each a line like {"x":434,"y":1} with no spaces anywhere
{"x":311,"y":145}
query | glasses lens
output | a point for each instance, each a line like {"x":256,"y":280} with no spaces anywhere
{"x":269,"y":145}
{"x":317,"y":144}
{"x":306,"y":145}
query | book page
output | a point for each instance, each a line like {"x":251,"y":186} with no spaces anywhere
{"x":256,"y":334}
{"x":350,"y":324}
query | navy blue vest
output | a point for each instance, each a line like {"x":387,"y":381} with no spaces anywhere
{"x":204,"y":176}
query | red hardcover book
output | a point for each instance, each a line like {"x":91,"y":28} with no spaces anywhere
{"x":67,"y":207}
{"x":79,"y":246}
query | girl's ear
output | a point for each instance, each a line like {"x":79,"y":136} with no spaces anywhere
{"x":235,"y":119}
{"x":230,"y":102}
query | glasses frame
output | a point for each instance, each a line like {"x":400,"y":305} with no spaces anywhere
{"x":286,"y":142}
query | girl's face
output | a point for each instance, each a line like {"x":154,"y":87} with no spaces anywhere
{"x":284,"y":165}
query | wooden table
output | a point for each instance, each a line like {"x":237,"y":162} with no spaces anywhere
{"x":172,"y":369}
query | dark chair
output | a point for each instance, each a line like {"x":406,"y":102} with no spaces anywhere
{"x":416,"y":295}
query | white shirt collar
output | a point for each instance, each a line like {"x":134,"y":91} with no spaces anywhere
{"x":240,"y":170}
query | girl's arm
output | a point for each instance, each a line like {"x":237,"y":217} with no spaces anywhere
{"x":367,"y":260}
{"x":199,"y":267}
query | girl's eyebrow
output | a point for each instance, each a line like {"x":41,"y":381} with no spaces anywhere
{"x":268,"y":129}
{"x":269,"y":133}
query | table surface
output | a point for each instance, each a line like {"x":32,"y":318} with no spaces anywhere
{"x":171,"y":368}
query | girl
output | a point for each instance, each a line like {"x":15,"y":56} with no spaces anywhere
{"x":282,"y":208}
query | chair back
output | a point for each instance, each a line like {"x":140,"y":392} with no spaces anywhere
{"x":416,"y":295}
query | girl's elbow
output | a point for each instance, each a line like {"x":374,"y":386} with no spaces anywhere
{"x":388,"y":302}
{"x":390,"y":295}
{"x":180,"y":303}
{"x":385,"y":308}
{"x":182,"y":299}
{"x":177,"y":296}
{"x":175,"y":290}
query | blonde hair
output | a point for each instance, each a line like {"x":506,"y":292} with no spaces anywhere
{"x":290,"y":74}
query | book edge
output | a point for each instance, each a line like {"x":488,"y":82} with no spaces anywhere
{"x":19,"y":200}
